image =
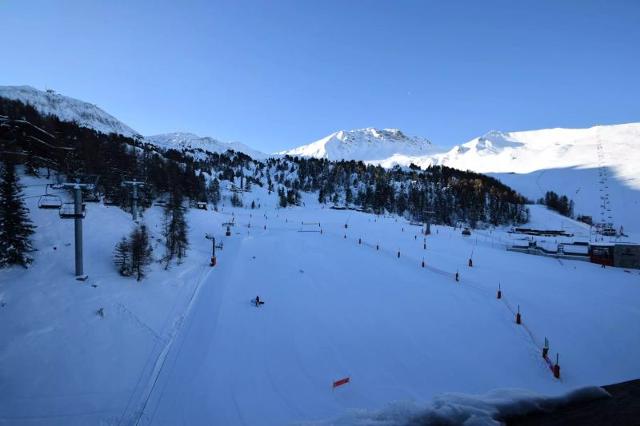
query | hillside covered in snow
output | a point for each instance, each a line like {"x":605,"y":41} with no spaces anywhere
{"x":187,"y":346}
{"x":68,"y":109}
{"x":369,"y":145}
{"x":88,"y":115}
{"x":526,"y":152}
{"x":493,"y":152}
{"x":190,"y":141}
{"x":584,"y":164}
{"x":568,"y":161}
{"x":363,"y":303}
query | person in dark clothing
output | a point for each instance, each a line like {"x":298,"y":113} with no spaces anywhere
{"x":257,"y":301}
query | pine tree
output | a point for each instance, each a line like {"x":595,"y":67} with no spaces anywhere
{"x":214,"y":192}
{"x":122,"y":257}
{"x":140,"y":251}
{"x":175,"y":228}
{"x":236,"y":201}
{"x":15,"y":225}
{"x":283,"y":198}
{"x":348,"y":195}
{"x":322,"y":198}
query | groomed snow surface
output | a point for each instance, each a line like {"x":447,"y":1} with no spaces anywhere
{"x":186,"y":346}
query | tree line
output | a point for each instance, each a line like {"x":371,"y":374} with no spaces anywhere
{"x":176,"y":177}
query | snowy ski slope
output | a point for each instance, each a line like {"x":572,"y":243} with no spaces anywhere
{"x":186,"y":346}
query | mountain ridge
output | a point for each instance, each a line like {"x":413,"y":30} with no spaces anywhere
{"x":367,"y":144}
{"x":191,"y":141}
{"x":67,"y":108}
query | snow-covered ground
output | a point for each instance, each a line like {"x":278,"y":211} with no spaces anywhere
{"x":187,"y":346}
{"x":582,"y":186}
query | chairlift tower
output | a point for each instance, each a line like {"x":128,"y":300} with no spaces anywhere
{"x":427,"y":226}
{"x":77,"y":216}
{"x":134,"y":197}
{"x":605,"y":225}
{"x":213,"y":249}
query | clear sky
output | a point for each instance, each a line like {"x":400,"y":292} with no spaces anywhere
{"x":277,"y":74}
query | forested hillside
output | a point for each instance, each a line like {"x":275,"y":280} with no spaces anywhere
{"x":67,"y":151}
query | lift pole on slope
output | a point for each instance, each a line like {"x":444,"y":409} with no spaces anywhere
{"x":213,"y":249}
{"x":134,"y":197}
{"x":77,"y":216}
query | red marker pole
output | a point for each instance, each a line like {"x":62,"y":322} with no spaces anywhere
{"x":341,"y":382}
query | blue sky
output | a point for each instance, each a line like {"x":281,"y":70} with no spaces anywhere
{"x":277,"y":74}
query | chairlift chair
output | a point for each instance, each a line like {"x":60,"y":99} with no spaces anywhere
{"x":91,"y":197}
{"x":68,"y":211}
{"x":49,"y":202}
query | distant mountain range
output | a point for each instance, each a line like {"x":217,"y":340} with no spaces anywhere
{"x":568,"y":161}
{"x":90,"y":116}
{"x":494,"y":152}
{"x":369,"y":145}
{"x":182,"y":140}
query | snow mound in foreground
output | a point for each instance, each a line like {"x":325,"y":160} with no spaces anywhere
{"x":462,"y":409}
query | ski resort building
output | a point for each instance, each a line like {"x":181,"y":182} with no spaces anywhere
{"x":616,"y":254}
{"x":622,"y":255}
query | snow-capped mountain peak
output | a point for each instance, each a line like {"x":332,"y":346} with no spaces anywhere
{"x":190,"y":141}
{"x":368,"y":145}
{"x":528,"y":151}
{"x":68,"y":109}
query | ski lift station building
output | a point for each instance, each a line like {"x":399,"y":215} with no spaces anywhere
{"x":623,"y":255}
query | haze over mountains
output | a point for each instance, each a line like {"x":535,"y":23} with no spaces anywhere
{"x":568,"y":161}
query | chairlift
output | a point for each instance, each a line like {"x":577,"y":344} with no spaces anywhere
{"x":49,"y":201}
{"x":91,"y":197}
{"x":68,"y":211}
